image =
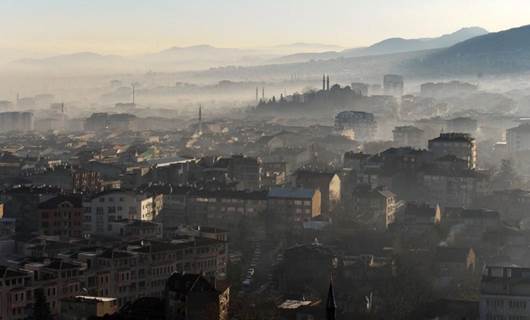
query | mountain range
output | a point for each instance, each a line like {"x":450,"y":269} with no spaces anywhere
{"x":466,"y":51}
{"x":499,"y":52}
{"x":206,"y":56}
{"x":391,"y":45}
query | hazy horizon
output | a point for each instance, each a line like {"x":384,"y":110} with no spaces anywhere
{"x":124,"y":28}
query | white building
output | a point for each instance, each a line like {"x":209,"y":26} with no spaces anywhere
{"x":505,"y":293}
{"x":518,"y":138}
{"x":114,"y":205}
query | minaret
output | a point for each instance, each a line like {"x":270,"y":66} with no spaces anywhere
{"x":323,"y":82}
{"x":327,"y":83}
{"x":331,"y":305}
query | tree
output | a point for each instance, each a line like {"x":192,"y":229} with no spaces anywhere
{"x":41,"y":308}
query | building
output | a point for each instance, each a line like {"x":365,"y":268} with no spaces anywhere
{"x":449,"y":188}
{"x":105,"y":121}
{"x":375,"y":207}
{"x":461,"y":145}
{"x":409,"y":136}
{"x":61,"y":216}
{"x":505,"y":293}
{"x":359,"y":88}
{"x":15,"y":293}
{"x":16,"y":121}
{"x":84,"y":307}
{"x":359,"y":125}
{"x":294,"y":204}
{"x":393,"y":85}
{"x":518,"y":138}
{"x":273,"y":174}
{"x":417,"y":218}
{"x":244,"y":171}
{"x":141,"y":268}
{"x":224,"y":208}
{"x":58,"y":279}
{"x":87,"y":182}
{"x":105,"y":207}
{"x":135,"y":229}
{"x":193,"y":297}
{"x":462,"y":124}
{"x":327,"y":183}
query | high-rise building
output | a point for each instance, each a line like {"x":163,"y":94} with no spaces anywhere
{"x":16,"y":121}
{"x":393,"y":85}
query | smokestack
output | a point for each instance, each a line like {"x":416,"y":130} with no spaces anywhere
{"x":263,"y":93}
{"x":132,"y":85}
{"x":257,"y":95}
{"x":323,"y":82}
{"x":327,"y":83}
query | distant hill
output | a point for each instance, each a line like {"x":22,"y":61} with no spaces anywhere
{"x":499,"y":52}
{"x":390,"y":46}
{"x":173,"y":59}
{"x":94,"y":62}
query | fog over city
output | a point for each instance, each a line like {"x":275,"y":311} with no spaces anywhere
{"x":290,"y":160}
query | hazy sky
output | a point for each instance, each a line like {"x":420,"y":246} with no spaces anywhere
{"x":133,"y":26}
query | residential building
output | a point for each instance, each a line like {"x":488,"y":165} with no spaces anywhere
{"x":409,"y":136}
{"x":327,"y":183}
{"x":105,"y":207}
{"x":518,"y":138}
{"x":16,"y":121}
{"x":359,"y":125}
{"x":141,"y":268}
{"x":505,"y":293}
{"x":463,"y":125}
{"x":87,"y":182}
{"x":454,"y":188}
{"x":193,"y":297}
{"x":244,"y":171}
{"x":376,"y":207}
{"x":15,"y":293}
{"x":84,"y":307}
{"x":393,"y":85}
{"x":294,"y":204}
{"x":461,"y":145}
{"x":61,"y":216}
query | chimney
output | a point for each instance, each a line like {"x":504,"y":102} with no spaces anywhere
{"x":327,"y":83}
{"x":323,"y":82}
